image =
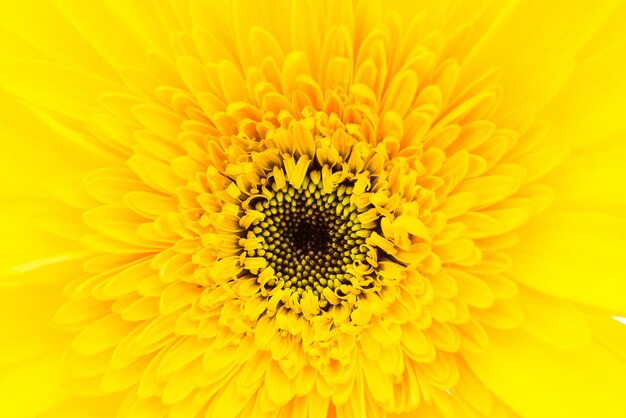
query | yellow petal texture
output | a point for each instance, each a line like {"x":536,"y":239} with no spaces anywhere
{"x":516,"y":360}
{"x":592,"y":179}
{"x":582,"y":248}
{"x":588,"y":108}
{"x":21,"y":380}
{"x":557,"y":34}
{"x":312,"y":208}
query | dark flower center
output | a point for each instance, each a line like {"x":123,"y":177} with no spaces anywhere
{"x":310,"y":238}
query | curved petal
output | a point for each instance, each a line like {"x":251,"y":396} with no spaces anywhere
{"x":27,"y":392}
{"x":81,"y":407}
{"x":539,"y":381}
{"x":591,"y":105}
{"x":63,"y":45}
{"x":536,"y":38}
{"x":576,"y":256}
{"x":594,"y":178}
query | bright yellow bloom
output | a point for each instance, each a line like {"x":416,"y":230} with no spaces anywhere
{"x":312,"y":209}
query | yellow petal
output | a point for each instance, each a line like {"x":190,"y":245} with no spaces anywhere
{"x":552,"y":320}
{"x":590,"y":106}
{"x":488,"y":189}
{"x":115,"y":41}
{"x":27,"y":391}
{"x":401,"y":93}
{"x":229,"y":402}
{"x":574,"y":255}
{"x":592,"y":179}
{"x":26,"y":246}
{"x":607,"y":330}
{"x":378,"y":384}
{"x":279,"y":388}
{"x":25,"y":311}
{"x":471,"y":289}
{"x":473,"y":390}
{"x":577,"y":383}
{"x":26,"y":165}
{"x":181,"y":383}
{"x":503,"y":314}
{"x":63,"y":43}
{"x":557,"y":33}
{"x":102,"y":334}
{"x":63,"y":89}
{"x":305,"y":31}
{"x":80,"y":407}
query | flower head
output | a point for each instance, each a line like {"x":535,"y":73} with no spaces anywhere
{"x":315,"y":209}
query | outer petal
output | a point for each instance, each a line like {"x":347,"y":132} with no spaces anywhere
{"x":554,"y":321}
{"x":591,"y":106}
{"x":79,"y":407}
{"x":25,"y":312}
{"x":105,"y":32}
{"x":25,"y":246}
{"x":59,"y":88}
{"x":576,"y":256}
{"x":34,"y":151}
{"x":32,"y":387}
{"x":539,"y":381}
{"x":594,"y":178}
{"x":535,"y":39}
{"x":28,"y":22}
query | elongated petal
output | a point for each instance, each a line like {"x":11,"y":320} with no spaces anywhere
{"x":536,"y":379}
{"x":574,"y":255}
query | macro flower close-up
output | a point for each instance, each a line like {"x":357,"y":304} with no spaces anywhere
{"x":312,"y":208}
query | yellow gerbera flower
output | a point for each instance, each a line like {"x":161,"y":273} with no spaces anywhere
{"x":312,"y":209}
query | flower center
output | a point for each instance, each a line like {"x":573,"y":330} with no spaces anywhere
{"x":311,"y":239}
{"x":304,"y":222}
